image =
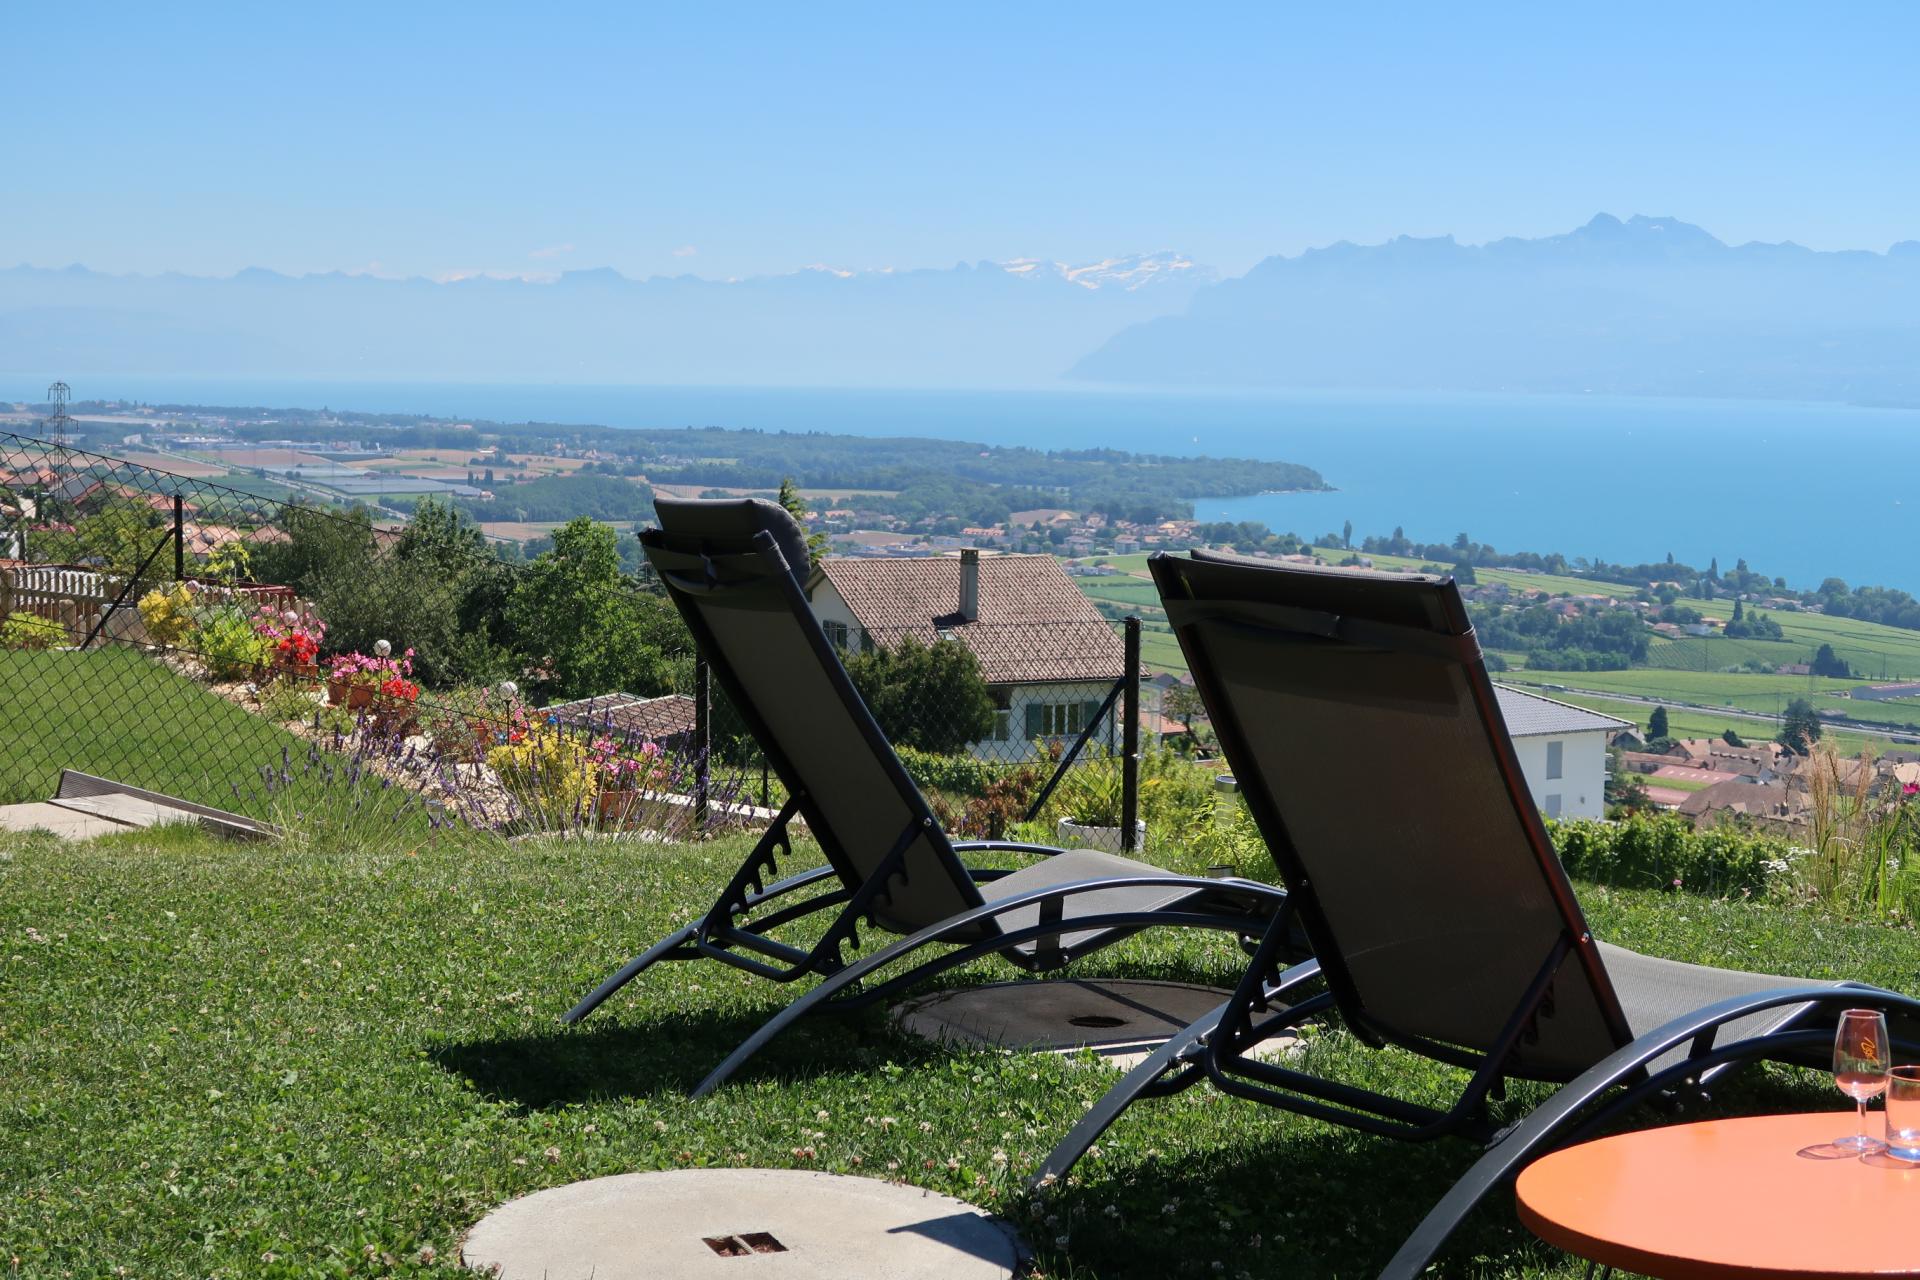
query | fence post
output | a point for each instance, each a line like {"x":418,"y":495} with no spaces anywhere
{"x":1130,"y":738}
{"x":702,"y":739}
{"x":179,"y":538}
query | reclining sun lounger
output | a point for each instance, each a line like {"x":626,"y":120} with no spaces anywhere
{"x":1439,"y":916}
{"x":734,"y":569}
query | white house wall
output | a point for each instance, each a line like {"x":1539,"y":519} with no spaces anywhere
{"x":1582,"y":784}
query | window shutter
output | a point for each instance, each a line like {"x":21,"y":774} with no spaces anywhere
{"x":1035,"y":729}
{"x":1088,"y":710}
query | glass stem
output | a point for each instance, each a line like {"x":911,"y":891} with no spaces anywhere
{"x":1860,"y":1104}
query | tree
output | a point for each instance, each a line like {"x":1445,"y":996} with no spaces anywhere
{"x":1346,"y":535}
{"x":1828,"y":663}
{"x":1464,"y":575}
{"x":1800,"y":729}
{"x":797,"y":508}
{"x":1183,"y":705}
{"x":590,"y":628}
{"x":1657,"y":723}
{"x":928,"y":696}
{"x":1738,"y":612}
{"x":1732,"y":739}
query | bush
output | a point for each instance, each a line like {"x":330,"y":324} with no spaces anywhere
{"x":230,"y":646}
{"x":1666,"y":851}
{"x":30,"y":631}
{"x":550,"y":774}
{"x":957,"y":774}
{"x":168,"y":614}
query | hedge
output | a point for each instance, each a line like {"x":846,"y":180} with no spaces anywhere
{"x":1667,"y":851}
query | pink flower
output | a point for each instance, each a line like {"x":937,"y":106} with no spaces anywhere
{"x":1910,"y":789}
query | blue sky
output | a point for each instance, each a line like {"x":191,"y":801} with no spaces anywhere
{"x":731,"y":140}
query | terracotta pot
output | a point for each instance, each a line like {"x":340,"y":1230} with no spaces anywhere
{"x":359,"y":696}
{"x":336,"y":692}
{"x":394,"y":717}
{"x":300,"y":670}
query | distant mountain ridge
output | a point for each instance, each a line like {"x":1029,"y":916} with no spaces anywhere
{"x":976,"y":324}
{"x":1650,"y":306}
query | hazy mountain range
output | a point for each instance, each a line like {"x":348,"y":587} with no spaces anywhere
{"x":1648,"y":305}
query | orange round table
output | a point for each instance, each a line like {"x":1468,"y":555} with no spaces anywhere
{"x":1760,"y":1196}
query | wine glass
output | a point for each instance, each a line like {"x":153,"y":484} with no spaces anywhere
{"x":1860,"y":1068}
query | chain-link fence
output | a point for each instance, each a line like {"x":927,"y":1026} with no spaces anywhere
{"x":281,"y":660}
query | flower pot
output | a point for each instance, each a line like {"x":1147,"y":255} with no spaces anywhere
{"x":337,"y":692}
{"x":1075,"y":835}
{"x":359,"y":696}
{"x":298,"y":670}
{"x":616,"y":808}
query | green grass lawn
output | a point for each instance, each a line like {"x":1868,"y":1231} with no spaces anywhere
{"x":114,"y":712}
{"x":226,"y":1061}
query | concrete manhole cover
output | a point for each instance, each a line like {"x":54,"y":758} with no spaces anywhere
{"x":1121,"y":1020}
{"x":696,"y":1223}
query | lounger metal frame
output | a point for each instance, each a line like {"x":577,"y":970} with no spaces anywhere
{"x":734,"y":931}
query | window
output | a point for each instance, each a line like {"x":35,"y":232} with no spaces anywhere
{"x":1002,"y":714}
{"x":1553,"y":806}
{"x":1555,"y":750}
{"x":1058,"y":719}
{"x":836,"y":635}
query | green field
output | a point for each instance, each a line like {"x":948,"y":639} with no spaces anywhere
{"x":1684,"y":722}
{"x":116,"y":713}
{"x":1682,"y":670}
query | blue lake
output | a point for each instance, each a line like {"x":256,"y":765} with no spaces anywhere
{"x":1806,"y":491}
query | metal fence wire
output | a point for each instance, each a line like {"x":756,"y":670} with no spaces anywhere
{"x":276,"y":658}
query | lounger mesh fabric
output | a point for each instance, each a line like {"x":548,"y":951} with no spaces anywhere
{"x":1438,"y":890}
{"x":770,"y":657}
{"x":853,"y":807}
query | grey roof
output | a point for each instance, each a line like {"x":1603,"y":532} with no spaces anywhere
{"x":1529,"y":715}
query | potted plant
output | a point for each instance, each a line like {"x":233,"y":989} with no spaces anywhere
{"x":295,"y":635}
{"x":352,"y":679}
{"x":394,"y":706}
{"x":1089,"y":801}
{"x":627,"y":776}
{"x":355,"y":678}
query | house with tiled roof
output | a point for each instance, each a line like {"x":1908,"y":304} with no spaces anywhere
{"x":1048,"y":658}
{"x":1562,"y":750}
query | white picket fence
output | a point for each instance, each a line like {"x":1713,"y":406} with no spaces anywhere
{"x":70,"y":595}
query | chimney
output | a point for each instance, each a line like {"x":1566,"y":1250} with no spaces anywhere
{"x":969,"y":585}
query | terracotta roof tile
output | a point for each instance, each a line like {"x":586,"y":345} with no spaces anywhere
{"x":1034,"y":625}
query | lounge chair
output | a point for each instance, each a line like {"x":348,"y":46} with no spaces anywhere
{"x":735,"y":570}
{"x":1366,"y":739}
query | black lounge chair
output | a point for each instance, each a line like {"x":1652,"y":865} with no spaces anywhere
{"x":735,"y":570}
{"x":1439,"y":916}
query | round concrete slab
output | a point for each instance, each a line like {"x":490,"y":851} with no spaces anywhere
{"x":1122,"y":1020}
{"x":685,"y":1224}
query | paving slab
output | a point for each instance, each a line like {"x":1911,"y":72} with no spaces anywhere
{"x":1122,"y":1020}
{"x":686,"y":1224}
{"x":68,"y":824}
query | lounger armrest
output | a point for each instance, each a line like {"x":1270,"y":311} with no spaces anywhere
{"x":1547,"y":1122}
{"x":1006,"y":846}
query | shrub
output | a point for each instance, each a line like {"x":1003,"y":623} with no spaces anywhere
{"x":550,"y":774}
{"x":230,"y":646}
{"x":959,"y":774}
{"x":168,"y":614}
{"x":30,"y":631}
{"x":1666,"y":851}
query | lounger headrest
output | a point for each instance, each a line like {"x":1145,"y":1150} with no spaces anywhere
{"x":732,"y":522}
